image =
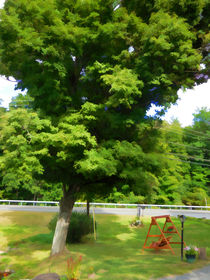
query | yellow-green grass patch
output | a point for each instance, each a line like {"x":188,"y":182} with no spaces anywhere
{"x":116,"y":254}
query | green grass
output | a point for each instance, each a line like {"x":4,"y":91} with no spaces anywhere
{"x":116,"y":254}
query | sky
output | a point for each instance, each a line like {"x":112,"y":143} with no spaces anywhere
{"x":188,"y":103}
{"x":7,"y":91}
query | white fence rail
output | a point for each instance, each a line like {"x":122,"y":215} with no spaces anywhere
{"x":109,"y":205}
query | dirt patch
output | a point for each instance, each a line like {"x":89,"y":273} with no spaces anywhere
{"x":4,"y":220}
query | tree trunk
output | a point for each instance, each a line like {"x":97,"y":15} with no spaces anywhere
{"x":61,"y":230}
{"x":88,"y":207}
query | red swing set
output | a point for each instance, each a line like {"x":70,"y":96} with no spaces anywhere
{"x":164,"y":242}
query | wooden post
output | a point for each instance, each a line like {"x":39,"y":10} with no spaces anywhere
{"x":147,"y":236}
{"x":182,"y":239}
{"x":88,"y":207}
{"x":94,"y":224}
{"x":202,"y":254}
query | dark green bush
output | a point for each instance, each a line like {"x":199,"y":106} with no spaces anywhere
{"x":80,"y":225}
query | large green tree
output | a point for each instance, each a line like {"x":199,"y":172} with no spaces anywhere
{"x":95,"y":67}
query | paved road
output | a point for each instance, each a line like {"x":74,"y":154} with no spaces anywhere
{"x":29,"y":208}
{"x":113,"y":211}
{"x":198,"y":274}
{"x":175,"y":213}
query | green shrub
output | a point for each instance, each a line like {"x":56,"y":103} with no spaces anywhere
{"x":80,"y":225}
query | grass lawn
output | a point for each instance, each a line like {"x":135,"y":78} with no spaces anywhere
{"x":116,"y":254}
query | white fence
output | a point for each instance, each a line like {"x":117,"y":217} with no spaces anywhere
{"x":109,"y":205}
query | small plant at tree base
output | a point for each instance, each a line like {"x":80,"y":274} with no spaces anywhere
{"x":191,"y":250}
{"x":73,"y":268}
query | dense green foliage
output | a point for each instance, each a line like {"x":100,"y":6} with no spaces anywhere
{"x":92,"y":68}
{"x":175,"y":168}
{"x":81,"y":225}
{"x":66,"y":51}
{"x":197,"y":138}
{"x":181,"y":173}
{"x":95,"y":68}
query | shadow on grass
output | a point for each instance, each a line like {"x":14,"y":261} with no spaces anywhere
{"x":42,"y":238}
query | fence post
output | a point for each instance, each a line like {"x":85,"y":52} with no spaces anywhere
{"x":139,"y":211}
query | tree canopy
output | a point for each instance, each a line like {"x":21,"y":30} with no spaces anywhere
{"x":93,"y":68}
{"x":68,"y":52}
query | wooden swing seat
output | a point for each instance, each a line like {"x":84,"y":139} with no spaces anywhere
{"x":160,"y":244}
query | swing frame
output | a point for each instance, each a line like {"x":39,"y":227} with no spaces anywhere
{"x":163,"y":242}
